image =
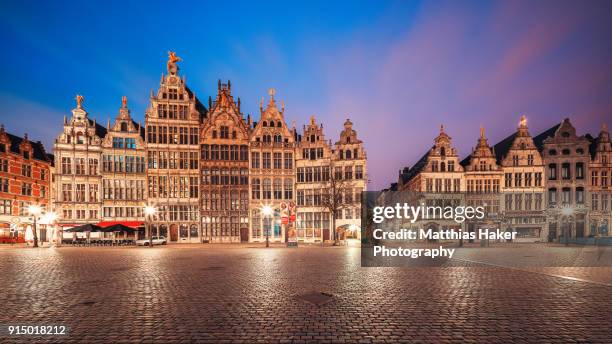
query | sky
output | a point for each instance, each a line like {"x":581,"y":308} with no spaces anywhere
{"x":397,"y":69}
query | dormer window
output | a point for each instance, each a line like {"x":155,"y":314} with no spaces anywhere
{"x":348,"y":154}
{"x":124,"y":127}
{"x":80,"y":139}
{"x":312,"y":138}
{"x":443,"y":151}
{"x":26,"y":154}
{"x":2,"y":148}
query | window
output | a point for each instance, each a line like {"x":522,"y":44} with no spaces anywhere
{"x":26,"y":170}
{"x":79,"y":195}
{"x":117,"y":142}
{"x":267,"y":189}
{"x":604,"y":178}
{"x":552,"y":196}
{"x":224,"y":132}
{"x":552,"y":152}
{"x":451,"y":166}
{"x":254,"y":159}
{"x":565,"y":170}
{"x":567,"y":196}
{"x":288,"y":161}
{"x":579,"y":170}
{"x":580,"y":195}
{"x":278,"y":160}
{"x":278,"y":189}
{"x":26,"y":189}
{"x":515,"y":160}
{"x":4,"y":185}
{"x":5,"y":207}
{"x":308,"y":174}
{"x":594,"y":178}
{"x":530,"y":159}
{"x":518,"y":180}
{"x":3,"y":165}
{"x":552,"y":171}
{"x":348,"y":172}
{"x":66,"y":166}
{"x":300,"y":175}
{"x":266,"y":160}
{"x":67,"y":192}
{"x":43,"y":174}
{"x":130,"y":143}
{"x":538,"y":179}
{"x":79,"y":166}
{"x":594,"y":201}
{"x":288,"y":188}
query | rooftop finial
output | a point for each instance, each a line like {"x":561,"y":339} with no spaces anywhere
{"x":523,"y":122}
{"x":604,"y":127}
{"x":124,"y":102}
{"x":482,"y":132}
{"x":272,"y":92}
{"x":172,"y":60}
{"x":79,"y":100}
{"x":441,"y":128}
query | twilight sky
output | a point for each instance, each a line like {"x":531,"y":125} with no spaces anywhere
{"x":397,"y":69}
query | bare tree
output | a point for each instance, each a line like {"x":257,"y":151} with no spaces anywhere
{"x":332,"y":200}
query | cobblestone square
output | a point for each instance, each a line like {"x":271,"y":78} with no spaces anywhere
{"x":245,"y":294}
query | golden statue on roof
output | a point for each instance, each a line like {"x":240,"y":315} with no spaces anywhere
{"x":79,"y":100}
{"x":172,"y":60}
{"x":124,"y":101}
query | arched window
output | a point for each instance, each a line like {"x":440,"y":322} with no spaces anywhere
{"x":272,"y":124}
{"x":288,"y":188}
{"x":267,"y":189}
{"x":341,"y":154}
{"x":255,"y":188}
{"x":355,"y":154}
{"x":442,"y":167}
{"x":347,"y":154}
{"x":264,"y":123}
{"x":278,"y":124}
{"x":312,"y":138}
{"x":443,"y":151}
{"x":278,"y":138}
{"x":552,"y":152}
{"x":278,"y":188}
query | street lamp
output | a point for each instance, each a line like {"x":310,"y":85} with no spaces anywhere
{"x":567,"y":211}
{"x":34,"y":210}
{"x":149,"y":212}
{"x":266,"y":211}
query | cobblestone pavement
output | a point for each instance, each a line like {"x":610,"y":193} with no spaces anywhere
{"x":217,"y":294}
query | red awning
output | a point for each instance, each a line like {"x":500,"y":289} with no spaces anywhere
{"x":133,"y":224}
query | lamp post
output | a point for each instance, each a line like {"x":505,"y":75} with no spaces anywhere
{"x":149,"y":212}
{"x":567,"y":211}
{"x":34,"y":210}
{"x":266,"y":211}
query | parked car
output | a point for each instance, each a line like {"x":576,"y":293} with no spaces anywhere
{"x":156,"y":240}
